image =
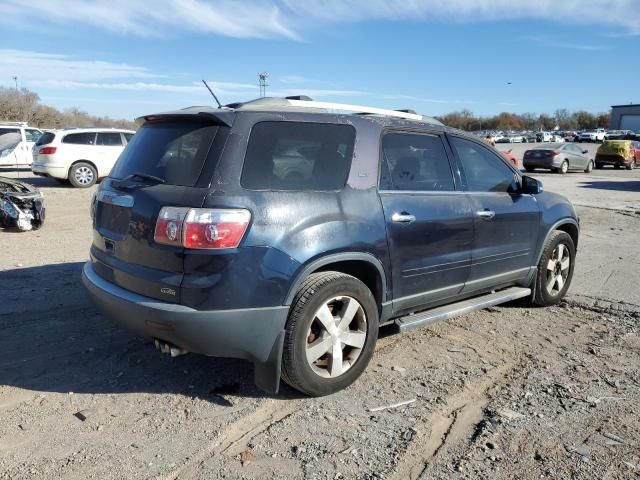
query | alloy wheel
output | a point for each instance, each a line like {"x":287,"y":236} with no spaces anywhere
{"x":83,"y":175}
{"x":558,"y":269}
{"x":336,"y":336}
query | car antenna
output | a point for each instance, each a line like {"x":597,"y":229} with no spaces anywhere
{"x":211,"y":92}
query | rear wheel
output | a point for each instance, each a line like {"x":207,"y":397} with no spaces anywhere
{"x":83,"y":175}
{"x":564,"y":168}
{"x":555,"y":269}
{"x":589,"y":167}
{"x":330,"y":334}
{"x":631,"y":165}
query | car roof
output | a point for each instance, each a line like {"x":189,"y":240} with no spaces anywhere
{"x":548,"y":146}
{"x":304,"y":105}
{"x":94,"y":129}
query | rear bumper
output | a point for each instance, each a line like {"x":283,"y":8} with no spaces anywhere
{"x":613,"y":160}
{"x":255,"y":334}
{"x":47,"y":170}
{"x":551,"y":162}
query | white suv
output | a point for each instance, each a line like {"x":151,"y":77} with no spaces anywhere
{"x":16,"y":141}
{"x":79,"y":155}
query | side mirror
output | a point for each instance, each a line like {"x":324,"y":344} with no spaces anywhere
{"x":531,"y":186}
{"x":585,"y":151}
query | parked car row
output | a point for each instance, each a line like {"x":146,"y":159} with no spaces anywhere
{"x":564,"y":157}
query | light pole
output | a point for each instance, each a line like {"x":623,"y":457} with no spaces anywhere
{"x":262,"y":82}
{"x":15,"y":79}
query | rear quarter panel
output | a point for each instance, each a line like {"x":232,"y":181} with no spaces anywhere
{"x":288,"y":229}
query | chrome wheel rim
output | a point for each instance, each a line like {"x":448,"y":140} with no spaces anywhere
{"x":336,"y":336}
{"x":565,"y":167}
{"x":558,"y":269}
{"x":83,"y":175}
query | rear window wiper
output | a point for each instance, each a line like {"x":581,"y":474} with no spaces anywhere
{"x":126,"y":181}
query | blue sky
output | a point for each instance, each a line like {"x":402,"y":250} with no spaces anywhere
{"x":124,"y":59}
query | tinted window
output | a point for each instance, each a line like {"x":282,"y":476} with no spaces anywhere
{"x":46,"y":137}
{"x":484,"y":171}
{"x":85,"y":138}
{"x":32,"y":135}
{"x":298,"y":156}
{"x":110,"y":139}
{"x":414,"y":162}
{"x":173,"y":151}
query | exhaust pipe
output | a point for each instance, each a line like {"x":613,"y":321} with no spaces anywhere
{"x":171,"y":349}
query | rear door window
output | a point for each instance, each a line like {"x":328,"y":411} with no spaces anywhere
{"x":173,"y":151}
{"x":415,"y":162}
{"x":110,"y":139}
{"x":298,"y":156}
{"x":83,"y":138}
{"x":32,"y":135}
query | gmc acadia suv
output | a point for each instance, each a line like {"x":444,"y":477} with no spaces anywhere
{"x":286,"y":231}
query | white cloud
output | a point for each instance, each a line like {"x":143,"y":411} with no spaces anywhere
{"x":292,"y":18}
{"x":30,"y":66}
{"x":549,"y":42}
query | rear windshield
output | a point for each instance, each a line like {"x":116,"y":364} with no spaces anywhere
{"x":46,"y":137}
{"x":298,"y":156}
{"x":173,"y":151}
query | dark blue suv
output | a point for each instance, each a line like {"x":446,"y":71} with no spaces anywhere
{"x":284,"y":232}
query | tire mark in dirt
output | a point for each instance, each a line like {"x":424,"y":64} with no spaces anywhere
{"x":237,"y":435}
{"x":450,"y":424}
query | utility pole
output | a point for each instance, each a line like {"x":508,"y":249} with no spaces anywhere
{"x":262,"y":83}
{"x":15,"y":79}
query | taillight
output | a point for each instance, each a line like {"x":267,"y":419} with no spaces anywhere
{"x":47,"y":150}
{"x":201,"y":228}
{"x":169,"y":225}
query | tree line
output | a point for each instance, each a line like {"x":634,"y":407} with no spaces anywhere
{"x":25,"y":106}
{"x":561,"y":118}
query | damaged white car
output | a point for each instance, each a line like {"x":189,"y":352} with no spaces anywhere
{"x":21,"y":205}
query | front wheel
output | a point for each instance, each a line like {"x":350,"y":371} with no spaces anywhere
{"x":589,"y":167}
{"x":330,"y":334}
{"x":555,"y":269}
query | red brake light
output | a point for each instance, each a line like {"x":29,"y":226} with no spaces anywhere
{"x":47,"y":150}
{"x":201,"y":228}
{"x":169,"y":225}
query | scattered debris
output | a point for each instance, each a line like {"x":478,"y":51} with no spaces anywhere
{"x":394,"y":405}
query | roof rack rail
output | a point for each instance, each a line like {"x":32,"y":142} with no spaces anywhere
{"x":345,"y":107}
{"x":15,"y":124}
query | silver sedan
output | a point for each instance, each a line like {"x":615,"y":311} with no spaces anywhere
{"x":558,"y":157}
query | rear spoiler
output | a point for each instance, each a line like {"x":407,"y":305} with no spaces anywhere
{"x":216,"y":116}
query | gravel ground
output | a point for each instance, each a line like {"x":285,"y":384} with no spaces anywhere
{"x":508,"y":392}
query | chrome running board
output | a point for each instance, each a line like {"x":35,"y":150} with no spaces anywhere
{"x":461,"y":308}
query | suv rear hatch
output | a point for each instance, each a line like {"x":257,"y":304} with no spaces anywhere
{"x":169,"y":162}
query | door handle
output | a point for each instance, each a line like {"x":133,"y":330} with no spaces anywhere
{"x":486,"y":214}
{"x":403,"y":217}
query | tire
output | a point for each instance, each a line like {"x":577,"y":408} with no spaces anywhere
{"x":83,"y":175}
{"x":333,"y":292}
{"x":564,"y":168}
{"x":558,"y":248}
{"x":589,"y":168}
{"x":599,"y":166}
{"x":631,"y":165}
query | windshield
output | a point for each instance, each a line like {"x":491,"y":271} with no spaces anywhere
{"x":174,"y":151}
{"x":9,"y":138}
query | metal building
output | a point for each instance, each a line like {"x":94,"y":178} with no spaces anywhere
{"x":625,"y":117}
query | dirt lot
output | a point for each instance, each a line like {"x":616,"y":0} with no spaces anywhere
{"x":508,"y":392}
